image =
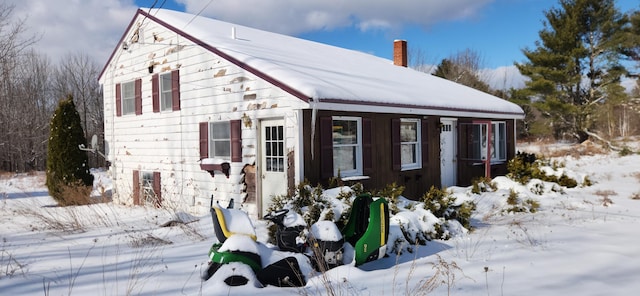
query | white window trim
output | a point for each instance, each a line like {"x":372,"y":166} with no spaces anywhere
{"x":358,"y":158}
{"x":165,"y":105}
{"x":497,"y":147}
{"x":132,"y":99}
{"x":212,"y":141}
{"x":418,"y":145}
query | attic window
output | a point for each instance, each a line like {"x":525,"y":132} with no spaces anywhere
{"x":165,"y":91}
{"x":129,"y":98}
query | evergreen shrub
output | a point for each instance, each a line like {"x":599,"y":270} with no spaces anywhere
{"x":69,"y":180}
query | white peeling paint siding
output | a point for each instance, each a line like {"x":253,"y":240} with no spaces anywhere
{"x":211,"y":89}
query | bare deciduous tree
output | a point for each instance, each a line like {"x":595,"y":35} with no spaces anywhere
{"x":77,"y":75}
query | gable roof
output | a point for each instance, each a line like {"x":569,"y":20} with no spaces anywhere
{"x":324,"y":74}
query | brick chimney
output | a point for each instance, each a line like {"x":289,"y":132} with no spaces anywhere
{"x":400,"y":53}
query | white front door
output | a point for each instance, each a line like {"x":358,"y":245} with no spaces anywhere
{"x":448,"y":152}
{"x":273,"y":162}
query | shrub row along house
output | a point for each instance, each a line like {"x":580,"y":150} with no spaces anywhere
{"x":196,"y":107}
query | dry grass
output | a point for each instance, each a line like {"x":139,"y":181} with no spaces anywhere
{"x":75,"y":195}
{"x":636,"y":175}
{"x":586,"y":148}
{"x":445,"y":273}
{"x":604,"y":194}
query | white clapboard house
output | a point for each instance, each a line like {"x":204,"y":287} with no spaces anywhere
{"x":196,"y":107}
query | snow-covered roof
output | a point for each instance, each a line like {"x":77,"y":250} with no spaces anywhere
{"x":324,"y":74}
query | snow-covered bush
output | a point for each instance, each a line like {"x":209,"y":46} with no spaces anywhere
{"x":525,"y":167}
{"x":437,"y":215}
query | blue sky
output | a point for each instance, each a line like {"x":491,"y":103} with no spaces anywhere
{"x":498,"y":30}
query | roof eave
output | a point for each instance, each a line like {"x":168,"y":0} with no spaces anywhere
{"x":357,"y":106}
{"x":115,"y":49}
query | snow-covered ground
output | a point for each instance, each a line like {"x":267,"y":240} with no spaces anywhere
{"x":581,"y":241}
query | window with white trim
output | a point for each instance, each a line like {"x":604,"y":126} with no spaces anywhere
{"x":498,"y":141}
{"x":166,"y":99}
{"x":347,"y":146}
{"x":220,"y":140}
{"x":410,"y":143}
{"x":481,"y":137}
{"x":128,"y":98}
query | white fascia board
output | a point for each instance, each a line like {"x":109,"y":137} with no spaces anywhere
{"x":413,"y":111}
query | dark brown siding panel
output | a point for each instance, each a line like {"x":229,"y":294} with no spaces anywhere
{"x":425,"y":142}
{"x":236,"y":140}
{"x":367,"y":157}
{"x":118,"y":100}
{"x":157,"y":189}
{"x":326,"y":147}
{"x":511,"y":147}
{"x":155,"y":93}
{"x":395,"y":144}
{"x":136,"y":187}
{"x":204,"y":140}
{"x":138,"y":96}
{"x":175,"y":89}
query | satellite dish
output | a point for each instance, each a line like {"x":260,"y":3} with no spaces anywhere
{"x":94,"y":142}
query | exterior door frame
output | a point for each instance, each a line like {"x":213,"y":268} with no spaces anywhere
{"x":265,"y":171}
{"x":448,"y":140}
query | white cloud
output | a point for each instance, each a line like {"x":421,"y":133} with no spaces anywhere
{"x":298,"y":16}
{"x":95,"y":26}
{"x":92,"y":27}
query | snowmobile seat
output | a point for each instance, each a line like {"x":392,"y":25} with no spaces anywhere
{"x":228,"y":222}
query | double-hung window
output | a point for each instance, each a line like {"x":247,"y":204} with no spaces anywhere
{"x":166,"y":99}
{"x":220,"y":140}
{"x":128,"y":98}
{"x":347,"y":146}
{"x":410,"y":143}
{"x":488,"y":142}
{"x":498,"y":141}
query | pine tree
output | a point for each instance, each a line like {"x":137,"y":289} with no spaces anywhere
{"x":68,"y":177}
{"x":575,"y":67}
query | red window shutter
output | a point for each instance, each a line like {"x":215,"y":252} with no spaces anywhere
{"x":367,"y":157}
{"x":204,"y":140}
{"x":138,"y":96}
{"x":396,"y":145}
{"x":118,"y":100}
{"x":425,"y":143}
{"x":155,"y":93}
{"x":136,"y":187}
{"x":157,"y":189}
{"x":236,"y":140}
{"x":326,"y":147}
{"x":175,"y":90}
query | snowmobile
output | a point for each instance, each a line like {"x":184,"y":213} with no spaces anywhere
{"x":363,"y":239}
